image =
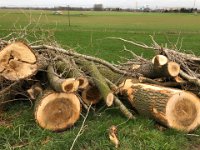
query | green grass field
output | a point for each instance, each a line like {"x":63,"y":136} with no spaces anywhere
{"x":88,"y":34}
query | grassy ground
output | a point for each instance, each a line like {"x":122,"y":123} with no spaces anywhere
{"x":88,"y":34}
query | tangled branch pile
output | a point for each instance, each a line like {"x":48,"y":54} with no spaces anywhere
{"x":59,"y":82}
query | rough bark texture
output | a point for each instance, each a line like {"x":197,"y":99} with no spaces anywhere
{"x":71,"y":70}
{"x":114,"y":77}
{"x":166,"y":84}
{"x":100,"y":82}
{"x":171,"y":107}
{"x":57,"y":111}
{"x":170,"y":69}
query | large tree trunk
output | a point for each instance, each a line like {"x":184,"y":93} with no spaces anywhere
{"x":171,"y":107}
{"x":17,"y":61}
{"x":57,"y":111}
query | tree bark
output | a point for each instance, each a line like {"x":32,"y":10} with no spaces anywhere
{"x":61,"y":85}
{"x":72,"y":71}
{"x":170,"y":69}
{"x":171,"y":107}
{"x":112,"y":76}
{"x":57,"y":111}
{"x":99,"y":81}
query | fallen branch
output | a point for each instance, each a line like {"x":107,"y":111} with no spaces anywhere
{"x":94,"y":59}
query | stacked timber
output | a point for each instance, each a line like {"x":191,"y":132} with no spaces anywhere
{"x":60,"y":82}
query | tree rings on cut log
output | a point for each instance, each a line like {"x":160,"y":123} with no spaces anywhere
{"x":57,"y":111}
{"x":70,"y":85}
{"x":173,"y":69}
{"x":183,"y":111}
{"x":17,"y":61}
{"x":109,"y":99}
{"x":91,"y":95}
{"x":159,"y":60}
{"x":83,"y":82}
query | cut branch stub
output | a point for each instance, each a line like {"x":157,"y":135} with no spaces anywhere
{"x":91,"y":95}
{"x":17,"y":61}
{"x":59,"y":84}
{"x":165,"y":67}
{"x":150,"y":70}
{"x":35,"y":91}
{"x":72,"y":71}
{"x":83,"y":82}
{"x":172,"y":69}
{"x":159,"y":60}
{"x":57,"y":111}
{"x":171,"y":107}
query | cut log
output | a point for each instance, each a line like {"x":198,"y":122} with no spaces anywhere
{"x":170,"y":69}
{"x":100,"y":82}
{"x":171,"y":107}
{"x":57,"y":111}
{"x":159,"y":60}
{"x":61,"y":85}
{"x":91,"y":95}
{"x":72,"y":71}
{"x":17,"y":61}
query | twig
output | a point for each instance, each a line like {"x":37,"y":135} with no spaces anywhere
{"x":94,"y":59}
{"x":82,"y":126}
{"x":118,"y":102}
{"x":191,"y":79}
{"x":134,"y":43}
{"x":135,"y":55}
{"x":123,"y":108}
{"x":151,"y":81}
{"x":193,"y":135}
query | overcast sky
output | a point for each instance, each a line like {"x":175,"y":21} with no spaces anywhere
{"x":106,"y":3}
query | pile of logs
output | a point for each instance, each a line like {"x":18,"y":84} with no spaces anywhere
{"x":60,"y":82}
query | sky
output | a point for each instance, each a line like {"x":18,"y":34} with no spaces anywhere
{"x":106,"y":3}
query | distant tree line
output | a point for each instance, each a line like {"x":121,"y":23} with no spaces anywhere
{"x":99,"y":7}
{"x":182,"y":10}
